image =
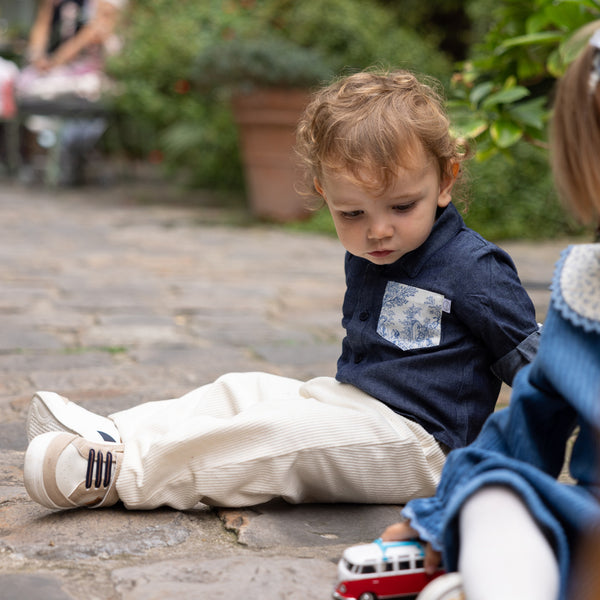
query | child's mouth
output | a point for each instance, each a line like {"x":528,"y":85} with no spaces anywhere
{"x":380,"y":253}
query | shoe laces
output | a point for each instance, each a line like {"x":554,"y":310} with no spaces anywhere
{"x":102,"y":466}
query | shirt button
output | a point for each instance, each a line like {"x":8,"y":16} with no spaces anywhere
{"x":364,"y":315}
{"x":358,"y":358}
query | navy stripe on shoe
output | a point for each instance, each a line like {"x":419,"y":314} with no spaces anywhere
{"x":106,"y":437}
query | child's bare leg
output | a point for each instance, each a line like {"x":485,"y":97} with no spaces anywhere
{"x":503,"y":553}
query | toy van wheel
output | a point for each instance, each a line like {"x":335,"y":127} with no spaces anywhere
{"x":367,"y":596}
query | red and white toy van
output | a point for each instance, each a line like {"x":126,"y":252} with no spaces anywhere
{"x":382,"y":570}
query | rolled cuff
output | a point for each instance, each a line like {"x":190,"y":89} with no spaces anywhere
{"x":508,"y":366}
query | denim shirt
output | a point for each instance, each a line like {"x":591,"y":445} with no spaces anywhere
{"x":433,"y":334}
{"x":523,"y":446}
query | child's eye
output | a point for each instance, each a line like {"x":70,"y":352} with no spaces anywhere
{"x":351,"y":214}
{"x":404,"y":207}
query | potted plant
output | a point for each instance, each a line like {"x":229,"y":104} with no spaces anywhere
{"x":269,"y":82}
{"x":173,"y":51}
{"x":266,"y":56}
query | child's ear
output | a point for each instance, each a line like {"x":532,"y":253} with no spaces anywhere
{"x":319,"y":189}
{"x":446,"y":184}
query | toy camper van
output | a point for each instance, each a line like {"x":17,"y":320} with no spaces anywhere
{"x":382,"y":570}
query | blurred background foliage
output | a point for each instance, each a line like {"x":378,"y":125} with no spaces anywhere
{"x":189,"y":127}
{"x":497,"y":60}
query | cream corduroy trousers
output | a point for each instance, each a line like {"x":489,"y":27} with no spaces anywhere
{"x":250,"y":437}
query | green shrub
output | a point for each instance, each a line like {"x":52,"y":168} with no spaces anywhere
{"x":237,"y":64}
{"x":355,"y":34}
{"x":516,"y":199}
{"x":192,"y":133}
{"x":158,"y":115}
{"x":162,"y":116}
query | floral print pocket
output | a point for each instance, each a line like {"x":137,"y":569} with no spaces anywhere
{"x":411,"y":318}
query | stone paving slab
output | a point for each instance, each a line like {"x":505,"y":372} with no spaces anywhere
{"x":246,"y":577}
{"x":312,"y":524}
{"x":117,"y":296}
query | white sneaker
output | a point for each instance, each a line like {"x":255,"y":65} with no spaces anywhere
{"x":444,"y":587}
{"x":50,"y":412}
{"x":64,"y":470}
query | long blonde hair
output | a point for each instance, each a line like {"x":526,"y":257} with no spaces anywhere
{"x":575,"y":137}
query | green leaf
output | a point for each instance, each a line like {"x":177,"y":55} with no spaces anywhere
{"x":574,"y":44}
{"x":480,"y":91}
{"x":566,"y":15}
{"x":532,"y":112}
{"x":530,"y":66}
{"x":592,"y":4}
{"x":505,"y":133}
{"x":536,"y":23}
{"x":470,"y":129}
{"x":555,"y":64}
{"x":506,"y":96}
{"x":477,"y":127}
{"x":542,"y":37}
{"x":485,"y":154}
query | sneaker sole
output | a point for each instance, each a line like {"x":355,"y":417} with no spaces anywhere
{"x":48,"y":411}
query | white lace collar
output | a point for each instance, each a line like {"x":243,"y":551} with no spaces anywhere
{"x":577,"y":286}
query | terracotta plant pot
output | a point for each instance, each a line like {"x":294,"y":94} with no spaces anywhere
{"x":267,"y":120}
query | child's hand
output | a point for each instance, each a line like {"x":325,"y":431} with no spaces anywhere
{"x":42,"y":64}
{"x":403,"y":531}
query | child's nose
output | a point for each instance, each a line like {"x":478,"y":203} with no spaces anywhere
{"x":380,"y":229}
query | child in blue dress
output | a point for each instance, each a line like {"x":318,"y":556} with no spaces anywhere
{"x":435,"y":318}
{"x":500,"y":515}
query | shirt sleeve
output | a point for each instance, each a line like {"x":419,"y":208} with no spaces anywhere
{"x":507,"y":367}
{"x":499,"y":311}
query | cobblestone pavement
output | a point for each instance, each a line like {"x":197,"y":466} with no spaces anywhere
{"x":117,"y":296}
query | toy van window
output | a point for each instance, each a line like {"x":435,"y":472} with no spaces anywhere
{"x":348,"y":564}
{"x":404,"y":564}
{"x":367,"y":569}
{"x":388,"y":566}
{"x":420,"y":563}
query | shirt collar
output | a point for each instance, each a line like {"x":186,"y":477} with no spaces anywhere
{"x":446,"y":226}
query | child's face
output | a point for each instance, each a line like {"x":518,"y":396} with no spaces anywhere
{"x":383,"y":228}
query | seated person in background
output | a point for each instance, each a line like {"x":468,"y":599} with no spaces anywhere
{"x":68,"y":30}
{"x":67,"y":47}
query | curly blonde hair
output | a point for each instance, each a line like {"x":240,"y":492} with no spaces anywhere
{"x":370,"y":124}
